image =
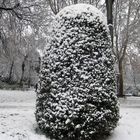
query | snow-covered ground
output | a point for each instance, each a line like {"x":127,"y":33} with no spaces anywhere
{"x":17,"y":120}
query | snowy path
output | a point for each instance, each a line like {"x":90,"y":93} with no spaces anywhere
{"x":17,"y":121}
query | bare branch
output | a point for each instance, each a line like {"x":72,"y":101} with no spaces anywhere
{"x":10,"y":8}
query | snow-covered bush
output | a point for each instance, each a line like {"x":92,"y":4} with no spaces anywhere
{"x":76,"y":90}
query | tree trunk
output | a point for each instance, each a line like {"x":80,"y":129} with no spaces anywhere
{"x":10,"y":72}
{"x":75,"y":1}
{"x":120,"y":80}
{"x":22,"y":73}
{"x":29,"y":76}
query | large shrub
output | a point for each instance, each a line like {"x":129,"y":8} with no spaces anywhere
{"x":76,"y":90}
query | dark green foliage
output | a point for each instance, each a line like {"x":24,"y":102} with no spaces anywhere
{"x":76,"y":96}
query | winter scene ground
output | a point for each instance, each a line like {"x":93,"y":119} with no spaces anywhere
{"x":17,"y":119}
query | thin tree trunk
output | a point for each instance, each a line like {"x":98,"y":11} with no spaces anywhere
{"x":22,"y":73}
{"x":121,"y":86}
{"x":122,"y":53}
{"x":23,"y":69}
{"x":10,"y":72}
{"x":29,"y":76}
{"x":75,"y":1}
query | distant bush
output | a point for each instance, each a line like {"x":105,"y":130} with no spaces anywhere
{"x":4,"y":85}
{"x":76,"y":96}
{"x":12,"y":86}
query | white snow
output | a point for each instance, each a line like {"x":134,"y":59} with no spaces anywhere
{"x":129,"y":124}
{"x":73,"y":11}
{"x":67,"y":121}
{"x":17,"y":120}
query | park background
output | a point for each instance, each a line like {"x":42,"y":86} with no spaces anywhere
{"x":25,"y":31}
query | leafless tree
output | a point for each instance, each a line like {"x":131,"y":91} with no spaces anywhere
{"x":125,"y":20}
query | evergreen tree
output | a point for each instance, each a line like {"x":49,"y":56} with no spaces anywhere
{"x":76,"y":96}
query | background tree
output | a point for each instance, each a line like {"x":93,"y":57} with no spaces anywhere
{"x":18,"y":18}
{"x":126,"y":18}
{"x":34,"y":17}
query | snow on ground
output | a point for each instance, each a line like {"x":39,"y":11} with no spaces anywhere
{"x":17,"y":120}
{"x":129,"y":125}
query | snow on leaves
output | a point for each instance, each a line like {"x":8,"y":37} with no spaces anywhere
{"x":76,"y":96}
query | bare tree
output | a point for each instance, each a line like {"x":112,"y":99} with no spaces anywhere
{"x":16,"y":19}
{"x":125,"y":19}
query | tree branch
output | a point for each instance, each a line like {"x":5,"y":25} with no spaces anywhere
{"x":10,"y":8}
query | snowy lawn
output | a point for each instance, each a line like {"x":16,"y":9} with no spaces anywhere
{"x":17,"y":121}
